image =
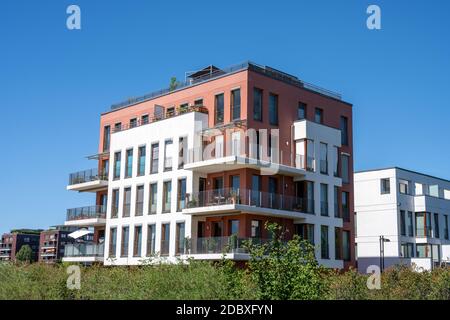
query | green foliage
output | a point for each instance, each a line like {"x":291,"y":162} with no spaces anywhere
{"x":25,"y":254}
{"x":174,"y":83}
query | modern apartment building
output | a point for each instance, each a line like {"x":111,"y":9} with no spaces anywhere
{"x":52,"y":243}
{"x":196,"y":169}
{"x":402,"y":218}
{"x":12,"y":242}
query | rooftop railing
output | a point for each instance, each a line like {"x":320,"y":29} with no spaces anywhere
{"x":87,"y":176}
{"x":253,"y":198}
{"x":90,"y":212}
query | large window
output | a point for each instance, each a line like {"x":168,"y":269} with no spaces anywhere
{"x":219,"y":109}
{"x":345,"y":170}
{"x":182,"y":152}
{"x":324,"y":250}
{"x":423,"y":224}
{"x":155,"y":158}
{"x":129,"y":164}
{"x":402,"y":223}
{"x":117,"y":158}
{"x":257,"y":104}
{"x":168,"y":153}
{"x":233,"y":227}
{"x":344,"y":131}
{"x":403,"y":187}
{"x":345,"y":203}
{"x":167,"y":193}
{"x":346,"y":253}
{"x":165,"y":239}
{"x":115,"y":203}
{"x":112,"y":242}
{"x":137,"y":246}
{"x":336,"y":202}
{"x":423,"y":251}
{"x":301,"y":111}
{"x":125,"y":241}
{"x":141,"y":161}
{"x":139,"y":201}
{"x":236,"y":104}
{"x":151,"y":239}
{"x":324,"y":199}
{"x":410,"y":224}
{"x":273,"y":109}
{"x":338,"y":243}
{"x":181,"y":197}
{"x":144,"y":119}
{"x":153,"y":198}
{"x":318,"y":116}
{"x":305,"y":232}
{"x":385,"y":186}
{"x":133,"y":123}
{"x":436,"y":225}
{"x":180,"y":238}
{"x":126,"y":202}
{"x":106,"y":138}
{"x":323,"y":158}
{"x":335,"y":161}
{"x":255,"y":192}
{"x":407,"y":250}
{"x":446,"y":227}
{"x":256,"y":229}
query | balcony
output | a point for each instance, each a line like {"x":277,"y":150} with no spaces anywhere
{"x":233,"y":200}
{"x":86,"y":216}
{"x":286,"y":163}
{"x":83,"y":252}
{"x":88,"y":181}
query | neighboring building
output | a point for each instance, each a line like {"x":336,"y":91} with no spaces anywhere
{"x":190,"y":171}
{"x":410,"y":210}
{"x":52,"y":243}
{"x":12,"y":242}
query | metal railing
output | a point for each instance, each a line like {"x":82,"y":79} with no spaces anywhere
{"x":90,"y":212}
{"x":87,"y":176}
{"x":230,"y":244}
{"x":84,"y":250}
{"x":254,"y":198}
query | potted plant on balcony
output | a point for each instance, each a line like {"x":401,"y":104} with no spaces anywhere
{"x":232,"y":245}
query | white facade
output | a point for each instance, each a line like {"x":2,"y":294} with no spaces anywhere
{"x":410,"y":210}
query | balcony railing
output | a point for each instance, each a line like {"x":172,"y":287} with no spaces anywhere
{"x":84,"y":250}
{"x":260,"y":199}
{"x":87,"y":176}
{"x":231,"y":244}
{"x":91,"y":212}
{"x":423,"y":232}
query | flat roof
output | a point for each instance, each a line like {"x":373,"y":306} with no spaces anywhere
{"x":403,"y":169}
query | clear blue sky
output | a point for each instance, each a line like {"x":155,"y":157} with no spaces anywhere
{"x":54,"y":83}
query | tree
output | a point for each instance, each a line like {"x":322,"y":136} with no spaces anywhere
{"x":25,"y":254}
{"x":285,"y":269}
{"x":173,"y":83}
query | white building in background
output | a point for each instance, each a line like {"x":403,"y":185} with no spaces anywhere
{"x":409,"y":210}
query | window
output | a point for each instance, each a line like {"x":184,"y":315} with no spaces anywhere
{"x":407,"y":250}
{"x":434,"y":190}
{"x":155,"y":158}
{"x":129,"y":164}
{"x":105,"y":169}
{"x":324,"y":252}
{"x":345,"y":170}
{"x":106,"y":138}
{"x":236,"y":104}
{"x":345,"y":203}
{"x":234,"y":227}
{"x":170,"y":112}
{"x":168,"y":151}
{"x":305,"y":232}
{"x":410,"y":224}
{"x":323,"y":158}
{"x":218,"y":109}
{"x":181,"y":203}
{"x":118,"y":127}
{"x":180,"y":237}
{"x":137,"y":246}
{"x":112,"y":242}
{"x":184,"y":108}
{"x":336,"y":161}
{"x":153,"y":198}
{"x":423,"y":224}
{"x":198,"y":102}
{"x":256,"y":229}
{"x":324,"y":199}
{"x":436,"y":225}
{"x":117,"y":157}
{"x":167,"y":191}
{"x":338,"y":243}
{"x":126,"y":202}
{"x":446,"y":227}
{"x":139,"y":201}
{"x":346,"y":254}
{"x":318,"y":116}
{"x":385,"y":186}
{"x":301,"y":111}
{"x":403,"y":187}
{"x":257,"y":104}
{"x":125,"y":239}
{"x":402,"y":223}
{"x":336,"y":202}
{"x":255,"y":192}
{"x":141,"y":161}
{"x":144,"y":119}
{"x":182,"y":151}
{"x":423,"y":251}
{"x":344,"y":131}
{"x":151,"y":237}
{"x":165,"y":239}
{"x":133,"y":123}
{"x":273,"y":109}
{"x":115,"y":203}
